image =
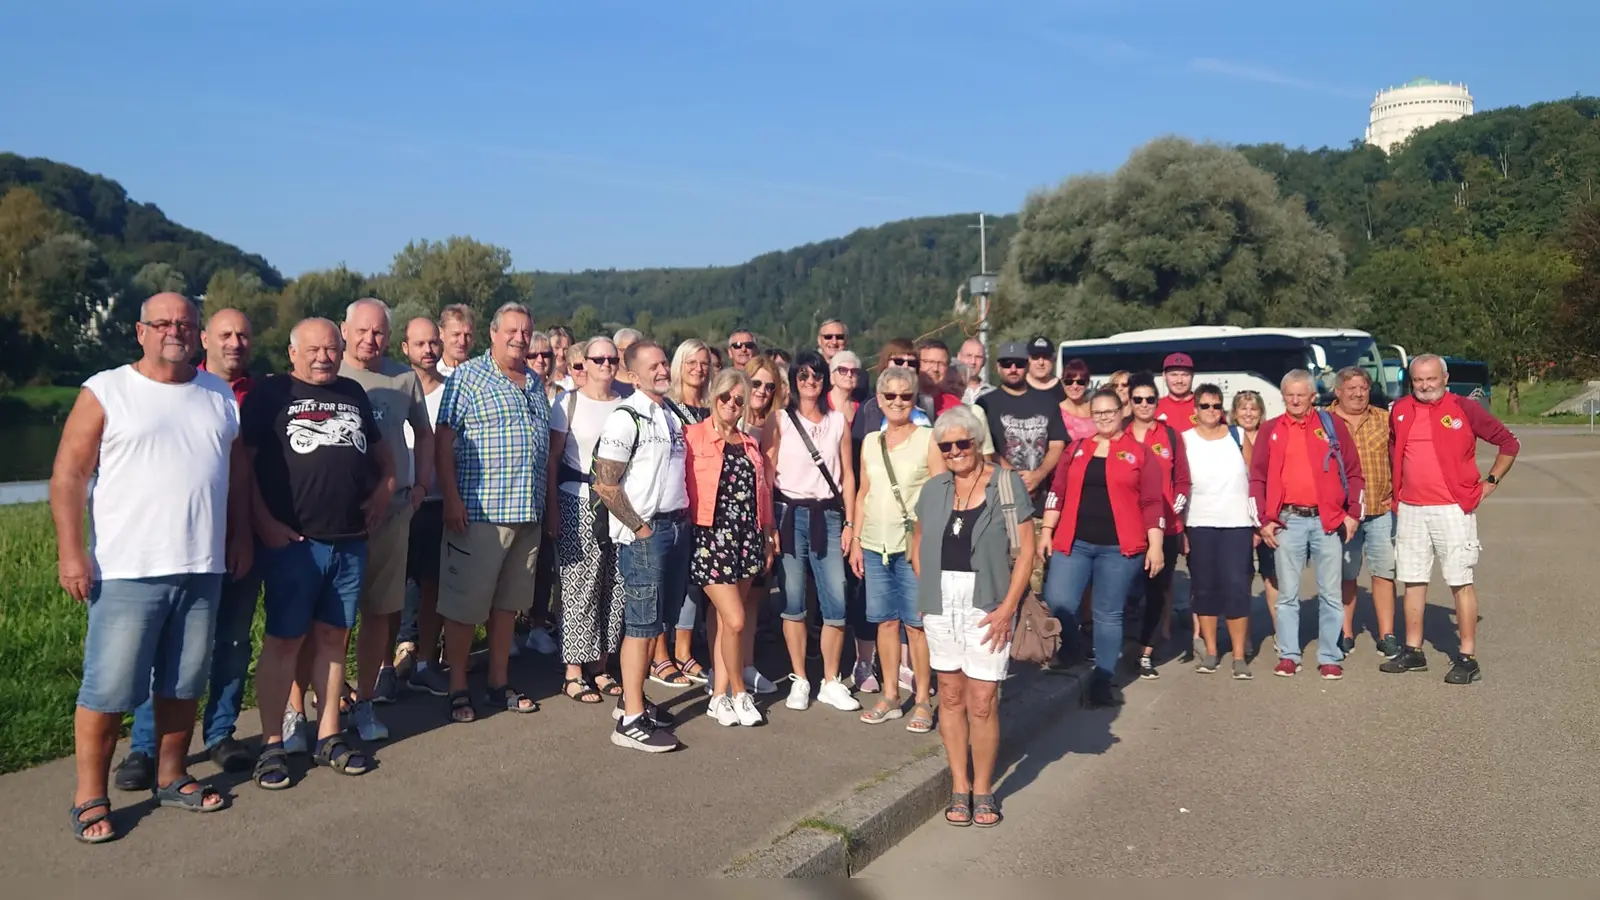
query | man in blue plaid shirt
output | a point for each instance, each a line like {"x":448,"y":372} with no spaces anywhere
{"x":492,"y":441}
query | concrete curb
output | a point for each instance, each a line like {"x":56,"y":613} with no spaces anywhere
{"x":842,"y":836}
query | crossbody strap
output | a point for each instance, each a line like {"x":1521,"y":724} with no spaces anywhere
{"x":816,"y":456}
{"x":883,"y":444}
{"x":1008,"y":506}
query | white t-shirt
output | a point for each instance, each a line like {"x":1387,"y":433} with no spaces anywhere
{"x":159,"y":501}
{"x":589,"y":419}
{"x":655,"y":481}
{"x":432,"y":400}
{"x":1219,"y":496}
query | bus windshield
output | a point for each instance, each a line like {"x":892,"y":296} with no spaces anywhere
{"x":1359,"y":351}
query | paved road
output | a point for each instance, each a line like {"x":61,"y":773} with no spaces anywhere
{"x":1376,"y":775}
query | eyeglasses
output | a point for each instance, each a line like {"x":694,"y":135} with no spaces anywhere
{"x":767,"y":386}
{"x":1012,"y":364}
{"x":1142,"y":401}
{"x":852,"y":371}
{"x":1208,"y":406}
{"x":808,"y":375}
{"x":1105,"y":413}
{"x":903,"y":398}
{"x":176,"y":326}
{"x":833,"y":337}
{"x":604,"y":360}
{"x":950,"y":446}
{"x":1082,"y":381}
{"x":730,"y":399}
{"x":903,"y":361}
{"x":542,"y":354}
{"x":742,"y":345}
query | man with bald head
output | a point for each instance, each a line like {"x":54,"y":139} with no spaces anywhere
{"x":324,"y":479}
{"x":974,"y":356}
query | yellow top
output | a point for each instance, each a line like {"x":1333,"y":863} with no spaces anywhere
{"x":882,"y":525}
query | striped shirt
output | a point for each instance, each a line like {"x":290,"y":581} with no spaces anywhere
{"x":502,"y":441}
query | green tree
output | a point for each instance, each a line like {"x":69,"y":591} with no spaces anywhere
{"x":1513,"y":287}
{"x":1577,"y":317}
{"x":158,"y":277}
{"x":585,"y":322}
{"x":26,"y":223}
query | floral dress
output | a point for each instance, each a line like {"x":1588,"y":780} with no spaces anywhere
{"x":733,"y":548}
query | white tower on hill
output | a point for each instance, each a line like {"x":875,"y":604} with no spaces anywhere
{"x":1417,"y":104}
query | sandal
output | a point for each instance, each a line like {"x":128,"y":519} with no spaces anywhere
{"x":337,"y":754}
{"x":80,"y":825}
{"x":461,"y":708}
{"x":882,"y":712}
{"x":691,"y":669}
{"x":173,"y":795}
{"x":921,"y":719}
{"x":586,"y":692}
{"x":509,"y":697}
{"x":959,"y":812}
{"x":608,"y":685}
{"x":985,"y":805}
{"x":272,"y":768}
{"x":676,"y":680}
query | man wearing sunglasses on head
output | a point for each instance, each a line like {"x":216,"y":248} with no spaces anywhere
{"x":832,"y":337}
{"x":742,"y":348}
{"x":1177,"y":407}
{"x":1025,"y":423}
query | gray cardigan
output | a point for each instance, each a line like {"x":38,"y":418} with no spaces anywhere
{"x":991,"y":548}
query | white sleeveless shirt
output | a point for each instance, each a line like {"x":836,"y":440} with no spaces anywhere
{"x":158,"y":503}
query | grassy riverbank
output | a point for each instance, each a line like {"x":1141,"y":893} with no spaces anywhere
{"x":47,"y":403}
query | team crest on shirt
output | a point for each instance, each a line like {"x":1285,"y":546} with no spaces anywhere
{"x":1451,"y":422}
{"x":1161,"y":450}
{"x":1321,"y":435}
{"x":1194,"y":418}
{"x":1125,"y":456}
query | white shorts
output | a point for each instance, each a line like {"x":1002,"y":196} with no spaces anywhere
{"x":1425,"y":533}
{"x":955,"y":641}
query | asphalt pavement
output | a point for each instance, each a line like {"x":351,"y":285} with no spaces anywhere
{"x":1376,"y":775}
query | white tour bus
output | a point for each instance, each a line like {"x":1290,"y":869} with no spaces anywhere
{"x":1237,"y":359}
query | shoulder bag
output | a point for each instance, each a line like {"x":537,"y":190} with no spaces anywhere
{"x":1037,"y":637}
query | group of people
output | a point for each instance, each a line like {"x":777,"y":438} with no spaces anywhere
{"x":619,"y":503}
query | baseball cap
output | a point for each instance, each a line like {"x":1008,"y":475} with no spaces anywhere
{"x":1178,"y":361}
{"x":1012,"y":350}
{"x":1041,"y":346}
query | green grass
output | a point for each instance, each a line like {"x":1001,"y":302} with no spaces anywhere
{"x":45,"y":403}
{"x":1535,"y":399}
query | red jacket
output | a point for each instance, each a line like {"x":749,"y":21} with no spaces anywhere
{"x":1333,"y":501}
{"x":1164,"y":443}
{"x":1457,"y":429}
{"x":1133,"y":482}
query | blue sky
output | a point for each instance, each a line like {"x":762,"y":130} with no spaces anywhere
{"x":623,"y":134}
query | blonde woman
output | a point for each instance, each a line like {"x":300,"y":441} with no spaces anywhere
{"x":686,"y":399}
{"x":1119,"y":382}
{"x":1248,"y":412}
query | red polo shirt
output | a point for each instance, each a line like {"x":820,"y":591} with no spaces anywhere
{"x":1180,"y":414}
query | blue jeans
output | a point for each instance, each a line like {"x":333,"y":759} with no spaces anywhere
{"x":891,"y":588}
{"x":1110,"y":574}
{"x":826,"y":565}
{"x":148,"y":635}
{"x":308,"y":580}
{"x":230,"y":665}
{"x":1301,"y":540}
{"x":653,"y":570}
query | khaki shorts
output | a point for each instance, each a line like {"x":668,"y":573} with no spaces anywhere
{"x":489,"y":567}
{"x":383,"y":587}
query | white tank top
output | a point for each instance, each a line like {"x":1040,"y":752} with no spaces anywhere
{"x":158,"y":503}
{"x":1220,"y":494}
{"x":797,"y":475}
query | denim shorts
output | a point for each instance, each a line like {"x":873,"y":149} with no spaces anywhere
{"x":1374,"y":542}
{"x":826,"y":565}
{"x":651,"y":569}
{"x":308,"y":581}
{"x":143,"y":627}
{"x":891,"y":588}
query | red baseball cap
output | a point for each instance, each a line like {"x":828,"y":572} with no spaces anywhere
{"x":1178,"y":361}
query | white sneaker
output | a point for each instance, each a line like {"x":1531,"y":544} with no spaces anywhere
{"x":799,"y":694}
{"x":294,"y":733}
{"x":745,"y":706}
{"x":755,"y":681}
{"x":366,"y":722}
{"x":837,"y":695}
{"x":722,"y":710}
{"x":908,"y":678}
{"x":711,"y":676}
{"x":540,"y":642}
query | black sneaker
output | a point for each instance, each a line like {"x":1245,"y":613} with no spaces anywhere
{"x":1465,"y":671}
{"x":1103,"y":694}
{"x":1389,"y":646}
{"x":1147,"y":669}
{"x":136,"y":772}
{"x":644,"y":735}
{"x":230,"y":755}
{"x":1347,"y":643}
{"x":658,"y":717}
{"x":1410,"y":659}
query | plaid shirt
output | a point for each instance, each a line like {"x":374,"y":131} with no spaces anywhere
{"x":502,"y":441}
{"x":1371,"y":434}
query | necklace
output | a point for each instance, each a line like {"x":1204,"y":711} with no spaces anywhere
{"x":961,"y":501}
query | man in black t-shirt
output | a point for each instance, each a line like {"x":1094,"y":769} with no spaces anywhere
{"x":322,"y":477}
{"x":1025,"y":424}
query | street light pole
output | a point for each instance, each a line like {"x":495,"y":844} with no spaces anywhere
{"x":981,"y":286}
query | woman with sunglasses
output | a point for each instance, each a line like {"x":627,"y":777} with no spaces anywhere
{"x":970,"y":581}
{"x":848,"y":377}
{"x":1164,"y":445}
{"x":1249,"y":411}
{"x":690,"y":372}
{"x":894,"y":465}
{"x":591,"y":582}
{"x":1220,"y":531}
{"x":542,"y":362}
{"x":575,"y":355}
{"x":814,"y":476}
{"x":734,"y":539}
{"x":1102,"y":527}
{"x":1075,"y":406}
{"x":1119,"y":383}
{"x":768,"y":394}
{"x":849,"y":382}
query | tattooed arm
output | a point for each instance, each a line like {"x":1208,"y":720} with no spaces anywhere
{"x":608,"y":474}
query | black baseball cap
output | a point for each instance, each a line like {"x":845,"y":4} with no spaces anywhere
{"x":1041,"y":347}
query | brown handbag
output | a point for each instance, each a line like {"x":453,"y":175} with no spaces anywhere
{"x":1037,"y":637}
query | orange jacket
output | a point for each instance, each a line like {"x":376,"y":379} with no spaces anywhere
{"x":703,"y":468}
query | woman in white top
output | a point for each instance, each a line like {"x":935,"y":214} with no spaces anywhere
{"x":1249,"y":411}
{"x":1221,"y":531}
{"x":591,"y":582}
{"x":814,"y":476}
{"x":895,"y":463}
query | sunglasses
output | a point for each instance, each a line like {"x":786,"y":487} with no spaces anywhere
{"x":836,"y":336}
{"x":1208,"y":406}
{"x":808,"y":375}
{"x":742,"y":345}
{"x":1082,"y":381}
{"x":542,"y":354}
{"x":1142,"y":401}
{"x":737,"y":402}
{"x":576,"y":367}
{"x":767,"y":386}
{"x":605,"y":360}
{"x":904,"y":362}
{"x":1012,"y":364}
{"x":903,"y":398}
{"x":950,"y":446}
{"x":852,"y":371}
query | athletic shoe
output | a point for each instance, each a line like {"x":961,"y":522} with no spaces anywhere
{"x":799,"y":693}
{"x":642,"y":734}
{"x":1389,"y":646}
{"x":1286,"y":668}
{"x":1465,"y":671}
{"x":908,"y":679}
{"x":755,"y":681}
{"x":294,"y":733}
{"x":1241,"y":670}
{"x":721,"y":709}
{"x":1411,"y":659}
{"x":1207,"y":664}
{"x":366,"y":723}
{"x":1330,"y":672}
{"x":1347,"y":643}
{"x":1147,"y":669}
{"x":405,"y":656}
{"x":865,"y":680}
{"x":429,"y":678}
{"x":745,"y":707}
{"x":388,"y":687}
{"x":540,"y":642}
{"x":837,"y":695}
{"x":658,"y":717}
{"x":136,"y":772}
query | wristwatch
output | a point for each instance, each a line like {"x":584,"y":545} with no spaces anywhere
{"x":1491,"y":479}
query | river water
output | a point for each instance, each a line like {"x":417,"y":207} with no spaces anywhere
{"x":27,"y":450}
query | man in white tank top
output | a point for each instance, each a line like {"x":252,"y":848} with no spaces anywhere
{"x":147,"y":448}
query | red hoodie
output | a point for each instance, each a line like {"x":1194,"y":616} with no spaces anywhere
{"x":1456,"y":429}
{"x":1133,"y":483}
{"x":1164,"y":443}
{"x":1334,"y":502}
